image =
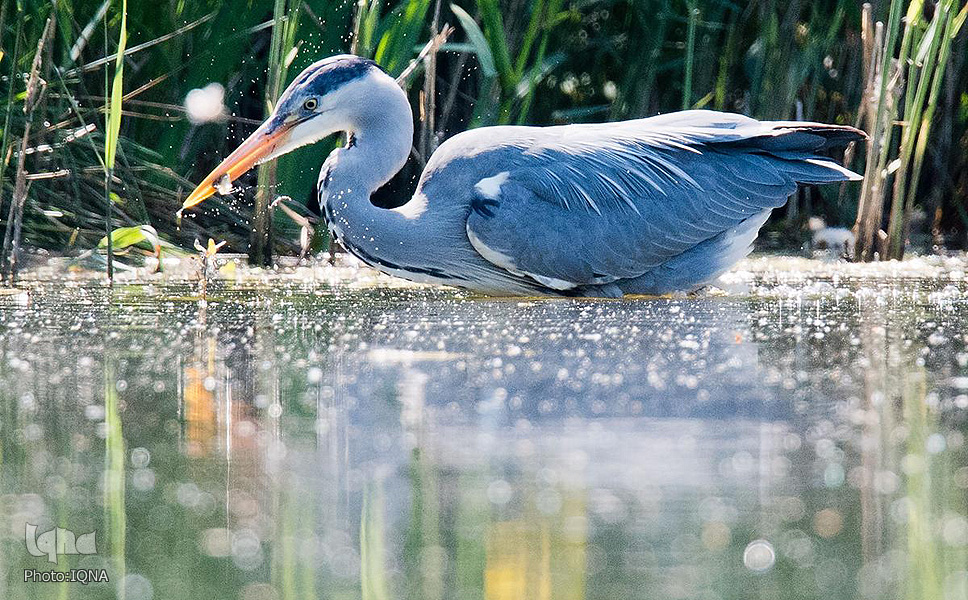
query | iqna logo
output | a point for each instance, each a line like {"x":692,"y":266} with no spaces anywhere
{"x":58,"y":542}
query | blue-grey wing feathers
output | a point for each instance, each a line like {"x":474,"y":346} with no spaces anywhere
{"x":589,"y":205}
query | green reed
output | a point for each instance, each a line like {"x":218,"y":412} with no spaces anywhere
{"x":923,"y":86}
{"x":531,"y":62}
{"x":113,"y":132}
{"x":282,"y":46}
{"x":906,"y":100}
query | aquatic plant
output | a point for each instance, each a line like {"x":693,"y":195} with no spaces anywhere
{"x":113,"y":129}
{"x":916,"y":72}
{"x":32,"y":95}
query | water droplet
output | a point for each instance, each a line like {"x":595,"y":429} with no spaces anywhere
{"x":759,"y":556}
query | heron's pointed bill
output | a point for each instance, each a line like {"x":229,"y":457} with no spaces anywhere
{"x":256,"y":148}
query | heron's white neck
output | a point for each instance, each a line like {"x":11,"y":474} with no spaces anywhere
{"x":379,"y":124}
{"x":380,"y":127}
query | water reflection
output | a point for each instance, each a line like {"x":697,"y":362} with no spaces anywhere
{"x":803,"y":440}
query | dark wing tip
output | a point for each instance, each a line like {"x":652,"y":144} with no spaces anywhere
{"x":834,"y":136}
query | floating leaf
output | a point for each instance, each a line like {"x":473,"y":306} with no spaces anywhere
{"x":124,"y":237}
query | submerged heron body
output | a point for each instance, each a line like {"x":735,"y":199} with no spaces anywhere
{"x":648,"y":206}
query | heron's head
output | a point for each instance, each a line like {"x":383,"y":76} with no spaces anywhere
{"x":322,"y":100}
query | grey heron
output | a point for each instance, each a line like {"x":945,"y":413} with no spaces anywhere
{"x":646,"y":206}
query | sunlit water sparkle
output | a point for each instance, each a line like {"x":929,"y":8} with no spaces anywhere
{"x":322,"y":432}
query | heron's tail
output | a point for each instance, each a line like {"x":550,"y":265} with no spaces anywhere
{"x":804,"y":149}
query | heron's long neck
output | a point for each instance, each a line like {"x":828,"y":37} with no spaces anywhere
{"x":380,"y":138}
{"x":380,"y":129}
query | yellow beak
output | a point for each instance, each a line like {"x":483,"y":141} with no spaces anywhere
{"x":261,"y":144}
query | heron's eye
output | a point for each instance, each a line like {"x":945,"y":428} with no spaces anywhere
{"x":311,"y":104}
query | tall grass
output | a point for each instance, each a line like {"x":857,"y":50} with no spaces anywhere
{"x":32,"y":97}
{"x":113,"y":132}
{"x":512,"y":71}
{"x":923,"y":85}
{"x":531,"y":61}
{"x":282,"y":47}
{"x":916,"y":73}
{"x":879,"y":144}
{"x":690,"y":55}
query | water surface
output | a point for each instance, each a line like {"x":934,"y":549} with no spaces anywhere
{"x":801,"y":435}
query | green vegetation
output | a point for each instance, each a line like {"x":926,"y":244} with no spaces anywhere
{"x":71,"y":170}
{"x":114,"y":108}
{"x":920,"y":66}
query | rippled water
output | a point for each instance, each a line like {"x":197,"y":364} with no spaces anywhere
{"x":801,"y":435}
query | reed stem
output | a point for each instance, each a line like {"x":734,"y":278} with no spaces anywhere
{"x":35,"y":88}
{"x":690,"y":56}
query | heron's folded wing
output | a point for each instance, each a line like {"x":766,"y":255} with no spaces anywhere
{"x":596,"y":204}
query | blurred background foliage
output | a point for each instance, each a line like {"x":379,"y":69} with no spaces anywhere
{"x":509,"y":61}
